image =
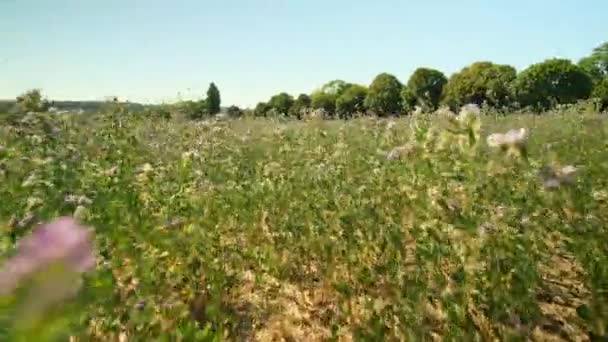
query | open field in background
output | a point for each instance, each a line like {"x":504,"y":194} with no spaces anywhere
{"x":261,"y":230}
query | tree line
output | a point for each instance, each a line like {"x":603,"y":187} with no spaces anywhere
{"x":542,"y":86}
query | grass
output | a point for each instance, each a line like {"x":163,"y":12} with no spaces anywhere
{"x":262,"y":230}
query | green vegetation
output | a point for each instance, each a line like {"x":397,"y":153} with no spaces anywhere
{"x":307,"y":230}
{"x":554,"y":81}
{"x":480,"y":83}
{"x":426,"y":86}
{"x":384,"y":95}
{"x":213,"y":100}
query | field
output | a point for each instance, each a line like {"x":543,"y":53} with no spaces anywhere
{"x":256,"y":229}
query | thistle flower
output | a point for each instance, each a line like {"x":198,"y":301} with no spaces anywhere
{"x":397,"y":152}
{"x":468,"y":110}
{"x":514,"y":137}
{"x":553,"y":177}
{"x":61,"y":241}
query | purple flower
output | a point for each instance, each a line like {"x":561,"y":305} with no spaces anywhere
{"x":62,"y":240}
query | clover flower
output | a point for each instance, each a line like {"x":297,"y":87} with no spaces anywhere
{"x":63,"y":240}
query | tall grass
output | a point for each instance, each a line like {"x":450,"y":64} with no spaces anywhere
{"x":255,"y":229}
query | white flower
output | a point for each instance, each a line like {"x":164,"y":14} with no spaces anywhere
{"x":470,"y":109}
{"x":511,"y":138}
{"x":397,"y":152}
{"x":554,"y":177}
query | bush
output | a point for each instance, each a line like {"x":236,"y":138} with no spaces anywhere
{"x":31,"y":101}
{"x":425,"y":87}
{"x":554,"y":81}
{"x":384,"y":95}
{"x":351,"y":101}
{"x":479,"y":83}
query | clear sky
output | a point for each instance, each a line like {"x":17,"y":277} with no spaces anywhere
{"x":151,"y":50}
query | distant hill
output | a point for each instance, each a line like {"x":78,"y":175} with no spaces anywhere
{"x":74,"y":106}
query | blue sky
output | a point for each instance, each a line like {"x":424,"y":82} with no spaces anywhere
{"x":153,"y":50}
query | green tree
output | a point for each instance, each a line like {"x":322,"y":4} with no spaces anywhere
{"x":324,"y":101}
{"x":554,"y":81}
{"x":302,"y":103}
{"x":384,"y":95}
{"x":31,"y":101}
{"x":213,"y":100}
{"x":351,"y":101}
{"x":601,"y":94}
{"x":281,"y":103}
{"x":194,"y":110}
{"x":409,"y":100}
{"x":234,"y":111}
{"x":261,"y":109}
{"x":426,"y":86}
{"x":478,"y":83}
{"x":335,"y":87}
{"x":596,"y":64}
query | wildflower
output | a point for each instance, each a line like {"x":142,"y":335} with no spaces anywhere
{"x":390,"y":125}
{"x":30,"y":181}
{"x":34,"y":202}
{"x":445,"y":111}
{"x":146,"y":168}
{"x":26,"y":220}
{"x":514,"y":137}
{"x":63,"y":240}
{"x":468,"y":110}
{"x":554,"y":177}
{"x":80,"y":200}
{"x":397,"y":152}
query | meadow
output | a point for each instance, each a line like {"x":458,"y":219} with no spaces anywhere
{"x":370,"y":229}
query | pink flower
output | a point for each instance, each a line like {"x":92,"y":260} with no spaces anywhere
{"x":63,"y":240}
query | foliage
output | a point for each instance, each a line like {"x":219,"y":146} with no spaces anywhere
{"x":384,"y":95}
{"x":408,"y":99}
{"x":596,"y":64}
{"x":31,"y":101}
{"x":335,"y":87}
{"x":234,"y":111}
{"x":601,"y":94}
{"x":300,"y":105}
{"x":281,"y":103}
{"x":324,"y":101}
{"x":554,"y":81}
{"x":257,"y":229}
{"x":213,"y":101}
{"x":261,"y":109}
{"x":426,"y":86}
{"x":194,"y":110}
{"x":351,"y":101}
{"x":479,"y":83}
